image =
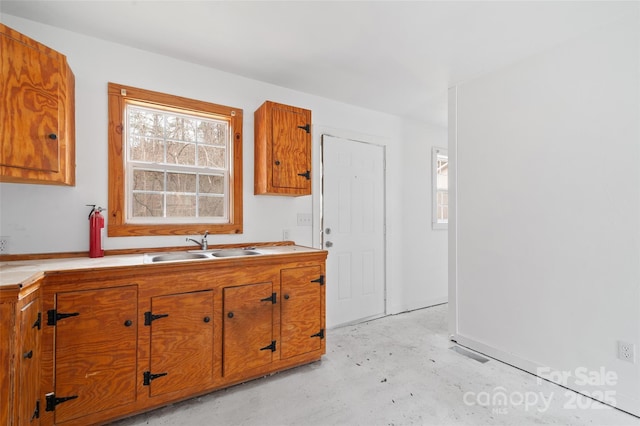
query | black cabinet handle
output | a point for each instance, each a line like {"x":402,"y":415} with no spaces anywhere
{"x":53,"y":136}
{"x":286,"y":296}
{"x":128,"y":323}
{"x":206,"y":319}
{"x":277,"y":163}
{"x":230,"y":314}
{"x":27,"y":355}
{"x":306,"y":175}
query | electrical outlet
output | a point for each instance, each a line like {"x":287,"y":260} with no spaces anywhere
{"x":305,"y":219}
{"x":627,"y":351}
{"x":4,"y":245}
{"x":285,"y":235}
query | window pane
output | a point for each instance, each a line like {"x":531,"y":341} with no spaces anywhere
{"x":209,"y":156}
{"x":183,"y":158}
{"x":181,"y":205}
{"x":146,"y":149}
{"x":145,"y":123}
{"x":213,"y":132}
{"x":146,"y":180}
{"x":443,"y":172}
{"x":440,"y":182}
{"x":181,"y":182}
{"x":442,"y":206}
{"x":147,"y":205}
{"x":181,"y":128}
{"x":211,"y":206}
{"x":210,"y":184}
{"x":181,"y":153}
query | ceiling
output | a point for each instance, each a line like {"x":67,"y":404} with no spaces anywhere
{"x":391,"y":56}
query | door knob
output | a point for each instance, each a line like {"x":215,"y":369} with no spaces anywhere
{"x":328,"y":244}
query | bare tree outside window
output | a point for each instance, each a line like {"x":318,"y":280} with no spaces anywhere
{"x":178,"y":163}
{"x":175,"y":165}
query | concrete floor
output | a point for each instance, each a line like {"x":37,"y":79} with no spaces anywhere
{"x":397,"y":370}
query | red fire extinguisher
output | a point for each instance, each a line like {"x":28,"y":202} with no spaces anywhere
{"x":96,"y":231}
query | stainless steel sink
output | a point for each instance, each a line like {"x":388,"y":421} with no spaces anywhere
{"x":234,"y":253}
{"x":173,"y":257}
{"x":197,"y":254}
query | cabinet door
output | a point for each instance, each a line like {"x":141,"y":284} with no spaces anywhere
{"x":301,"y":311}
{"x":248,"y":327}
{"x":30,"y":107}
{"x":291,"y":148}
{"x":29,"y":364}
{"x":95,"y":350}
{"x":181,"y":342}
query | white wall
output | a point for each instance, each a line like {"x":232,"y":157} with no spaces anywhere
{"x":424,"y":258}
{"x":95,"y":63}
{"x":548,"y":209}
{"x":42,"y":219}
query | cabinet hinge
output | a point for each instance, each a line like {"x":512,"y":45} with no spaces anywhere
{"x":319,"y":280}
{"x":149,"y":317}
{"x":306,"y":174}
{"x":53,"y":316}
{"x":271,"y":298}
{"x":319,"y":334}
{"x":36,"y":412}
{"x":52,"y":401}
{"x":271,"y":347}
{"x":38,"y":322}
{"x":147,"y":377}
{"x":306,"y":128}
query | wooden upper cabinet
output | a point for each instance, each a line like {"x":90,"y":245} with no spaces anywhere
{"x":37,"y":116}
{"x":282,"y":150}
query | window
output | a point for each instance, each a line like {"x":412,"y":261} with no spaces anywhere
{"x":175,"y":165}
{"x":440,"y":183}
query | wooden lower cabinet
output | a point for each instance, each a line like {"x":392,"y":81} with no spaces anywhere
{"x":20,"y":355}
{"x":99,"y":345}
{"x":181,"y":342}
{"x":28,"y":359}
{"x":248,"y":328}
{"x":302,"y":314}
{"x":95,"y":351}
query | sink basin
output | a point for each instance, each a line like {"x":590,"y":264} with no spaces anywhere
{"x":234,"y":253}
{"x":172,"y":257}
{"x":197,"y":254}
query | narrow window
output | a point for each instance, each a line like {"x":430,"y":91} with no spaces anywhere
{"x":175,"y":165}
{"x":440,"y":188}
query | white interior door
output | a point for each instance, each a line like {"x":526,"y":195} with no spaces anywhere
{"x":353,"y":218}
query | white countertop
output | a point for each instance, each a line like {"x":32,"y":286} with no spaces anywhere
{"x":21,"y":272}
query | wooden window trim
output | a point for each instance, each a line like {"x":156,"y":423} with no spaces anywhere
{"x":116,"y":220}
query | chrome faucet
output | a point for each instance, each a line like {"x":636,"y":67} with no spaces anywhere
{"x":204,"y":245}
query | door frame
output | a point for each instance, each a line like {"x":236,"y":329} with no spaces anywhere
{"x":318,"y":235}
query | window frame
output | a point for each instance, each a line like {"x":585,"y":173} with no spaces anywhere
{"x":435,"y":152}
{"x":117,"y":226}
